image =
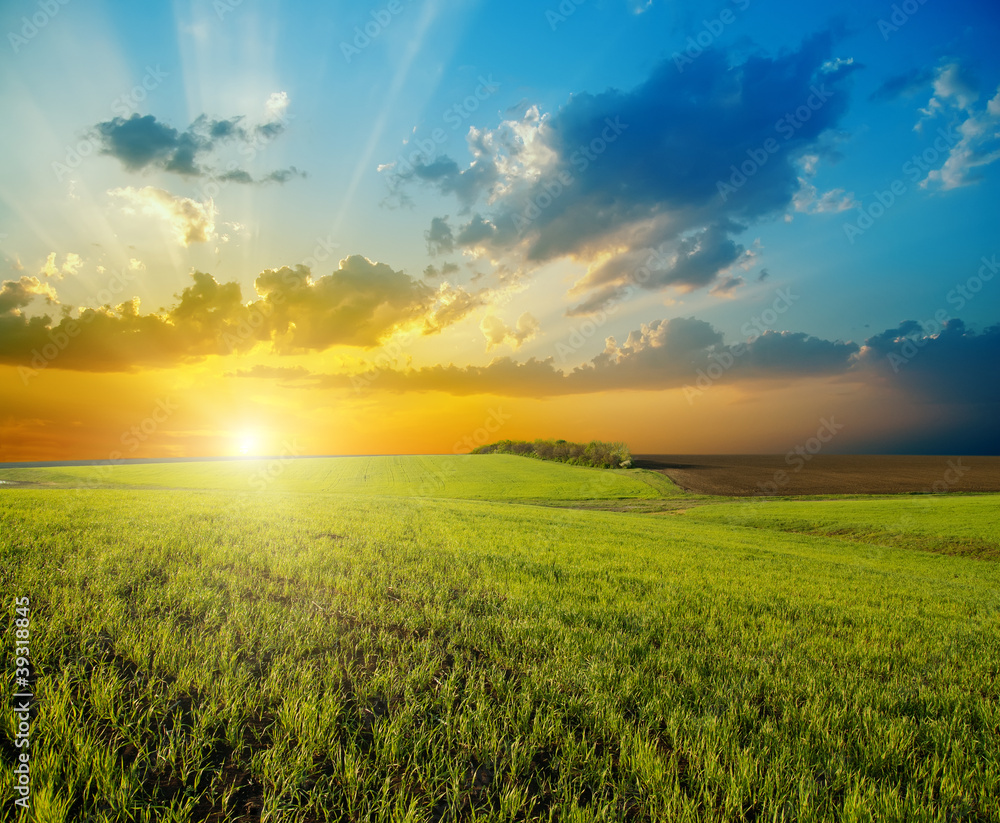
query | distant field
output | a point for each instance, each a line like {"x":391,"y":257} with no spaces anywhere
{"x":313,"y":652}
{"x":965,"y":525}
{"x":744,"y":475}
{"x":486,"y":477}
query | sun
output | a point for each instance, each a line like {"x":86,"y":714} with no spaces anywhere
{"x":247,"y":443}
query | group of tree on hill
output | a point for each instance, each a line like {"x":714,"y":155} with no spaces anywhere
{"x":596,"y":453}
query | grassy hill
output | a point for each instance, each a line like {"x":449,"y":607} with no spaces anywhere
{"x":475,"y":477}
{"x":313,"y":653}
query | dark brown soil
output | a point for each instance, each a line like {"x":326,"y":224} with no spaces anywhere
{"x":775,"y":474}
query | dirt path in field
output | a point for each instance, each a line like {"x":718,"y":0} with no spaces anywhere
{"x":745,"y":475}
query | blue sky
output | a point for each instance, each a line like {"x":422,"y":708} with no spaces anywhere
{"x":237,"y":138}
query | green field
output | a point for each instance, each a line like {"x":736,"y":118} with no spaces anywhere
{"x":408,"y":639}
{"x":967,"y":525}
{"x":461,"y":477}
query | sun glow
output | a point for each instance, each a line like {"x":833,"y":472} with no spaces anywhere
{"x":248,"y":443}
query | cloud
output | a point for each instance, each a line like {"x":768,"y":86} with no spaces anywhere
{"x":954,"y":364}
{"x":663,"y":354}
{"x":697,"y":260}
{"x":955,"y":84}
{"x":190,"y":220}
{"x":143,"y":143}
{"x":277,"y":107}
{"x":671,"y":353}
{"x":727,"y":286}
{"x":446,"y":269}
{"x":439,"y":237}
{"x":809,"y":201}
{"x":497,"y":332}
{"x":361,"y":303}
{"x":454,"y":303}
{"x":51,"y":269}
{"x":357,"y":304}
{"x":903,"y":85}
{"x":263,"y":372}
{"x":609,"y":179}
{"x":72,"y":263}
{"x":978,"y":143}
{"x":953,"y":367}
{"x":16,"y":294}
{"x":282,"y":175}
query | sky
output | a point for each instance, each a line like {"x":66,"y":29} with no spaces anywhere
{"x":241,"y":227}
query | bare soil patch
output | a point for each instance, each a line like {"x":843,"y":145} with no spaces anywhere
{"x":743,"y":475}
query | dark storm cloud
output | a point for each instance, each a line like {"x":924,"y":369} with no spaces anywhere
{"x":954,"y":368}
{"x":142,"y":143}
{"x":634,"y":171}
{"x":952,"y":365}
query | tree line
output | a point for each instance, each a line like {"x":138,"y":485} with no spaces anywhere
{"x":596,"y":453}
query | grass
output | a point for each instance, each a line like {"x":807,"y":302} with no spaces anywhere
{"x":465,"y":477}
{"x":967,"y":525}
{"x":318,"y":654}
